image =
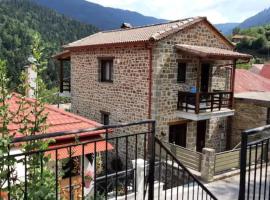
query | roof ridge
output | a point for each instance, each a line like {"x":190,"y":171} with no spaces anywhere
{"x":150,"y":25}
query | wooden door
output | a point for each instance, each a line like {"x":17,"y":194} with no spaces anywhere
{"x":205,"y":70}
{"x":178,"y":134}
{"x":201,"y":130}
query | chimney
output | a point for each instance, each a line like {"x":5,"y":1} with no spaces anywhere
{"x":31,"y":76}
{"x":126,"y":25}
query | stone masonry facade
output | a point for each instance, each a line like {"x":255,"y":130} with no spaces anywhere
{"x":126,"y":99}
{"x":165,"y":86}
{"x":247,"y":115}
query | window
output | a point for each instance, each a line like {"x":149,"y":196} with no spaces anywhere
{"x":181,"y":73}
{"x":178,"y":134}
{"x":105,"y":118}
{"x":106,"y":70}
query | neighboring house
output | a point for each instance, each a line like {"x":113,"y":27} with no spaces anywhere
{"x":238,"y":38}
{"x":59,"y":120}
{"x":180,"y":73}
{"x":252,"y":103}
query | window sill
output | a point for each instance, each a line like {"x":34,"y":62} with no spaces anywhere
{"x":106,"y":81}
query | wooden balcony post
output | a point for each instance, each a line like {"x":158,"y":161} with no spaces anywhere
{"x":197,"y":102}
{"x":61,"y":76}
{"x":232,"y":84}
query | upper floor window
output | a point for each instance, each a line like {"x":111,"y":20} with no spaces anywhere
{"x":106,"y":71}
{"x":105,"y":118}
{"x":181,"y":72}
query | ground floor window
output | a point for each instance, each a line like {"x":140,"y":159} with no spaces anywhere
{"x":178,"y":134}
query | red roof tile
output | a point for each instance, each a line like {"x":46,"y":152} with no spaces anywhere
{"x":152,"y":32}
{"x":265,"y":71}
{"x":58,"y":120}
{"x":246,"y":81}
{"x":204,"y":51}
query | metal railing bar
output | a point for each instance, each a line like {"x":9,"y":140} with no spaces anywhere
{"x":184,"y":168}
{"x":65,"y":133}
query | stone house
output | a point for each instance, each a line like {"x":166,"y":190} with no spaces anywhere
{"x":180,"y":73}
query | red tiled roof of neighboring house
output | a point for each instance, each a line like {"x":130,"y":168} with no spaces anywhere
{"x":57,"y":120}
{"x":203,"y":51}
{"x":265,"y":71}
{"x":246,"y":81}
{"x":140,"y":34}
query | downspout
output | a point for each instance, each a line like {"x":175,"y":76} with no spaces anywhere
{"x":150,"y":79}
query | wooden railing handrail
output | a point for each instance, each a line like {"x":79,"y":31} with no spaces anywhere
{"x":213,"y":100}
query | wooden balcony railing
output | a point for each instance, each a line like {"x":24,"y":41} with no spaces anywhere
{"x":204,"y":101}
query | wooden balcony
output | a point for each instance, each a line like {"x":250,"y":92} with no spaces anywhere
{"x":203,"y":105}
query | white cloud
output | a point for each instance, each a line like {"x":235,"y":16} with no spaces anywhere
{"x":217,"y":11}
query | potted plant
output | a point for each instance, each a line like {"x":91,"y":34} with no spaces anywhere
{"x":88,"y":177}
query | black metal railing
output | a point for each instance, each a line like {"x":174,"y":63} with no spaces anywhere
{"x":204,"y":101}
{"x":127,"y":162}
{"x":173,"y":180}
{"x":255,"y":152}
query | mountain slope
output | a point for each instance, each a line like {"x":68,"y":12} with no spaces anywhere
{"x":104,"y":18}
{"x":261,"y":18}
{"x":226,"y":28}
{"x":19,"y":20}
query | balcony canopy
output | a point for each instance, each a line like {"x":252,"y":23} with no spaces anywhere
{"x":211,"y":52}
{"x":64,"y":55}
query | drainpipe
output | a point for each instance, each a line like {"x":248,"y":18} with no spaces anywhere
{"x":150,"y":81}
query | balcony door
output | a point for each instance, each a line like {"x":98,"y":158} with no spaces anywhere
{"x":205,"y":72}
{"x":201,"y":130}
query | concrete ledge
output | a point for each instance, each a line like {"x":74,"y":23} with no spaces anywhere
{"x":206,"y":115}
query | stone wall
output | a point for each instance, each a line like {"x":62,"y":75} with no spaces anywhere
{"x":165,"y":86}
{"x":126,"y":99}
{"x":247,"y":115}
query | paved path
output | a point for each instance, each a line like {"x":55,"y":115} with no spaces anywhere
{"x":227,"y":189}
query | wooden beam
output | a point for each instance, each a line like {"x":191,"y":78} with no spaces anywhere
{"x":178,"y":122}
{"x":61,"y":76}
{"x":232,"y":83}
{"x":197,"y":101}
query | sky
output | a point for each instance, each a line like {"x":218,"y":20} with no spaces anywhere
{"x":217,"y":11}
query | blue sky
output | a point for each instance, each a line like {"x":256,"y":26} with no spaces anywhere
{"x":217,"y":11}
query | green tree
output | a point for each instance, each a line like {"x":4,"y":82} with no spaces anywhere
{"x":32,"y":118}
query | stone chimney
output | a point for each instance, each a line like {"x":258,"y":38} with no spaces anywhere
{"x":31,"y":76}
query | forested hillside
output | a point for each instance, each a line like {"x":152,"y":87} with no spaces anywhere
{"x":256,"y":42}
{"x":19,"y":20}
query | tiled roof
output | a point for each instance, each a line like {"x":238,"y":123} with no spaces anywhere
{"x":136,"y":34}
{"x":203,"y":51}
{"x":265,"y":71}
{"x":58,"y":120}
{"x":246,"y":81}
{"x":78,"y":150}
